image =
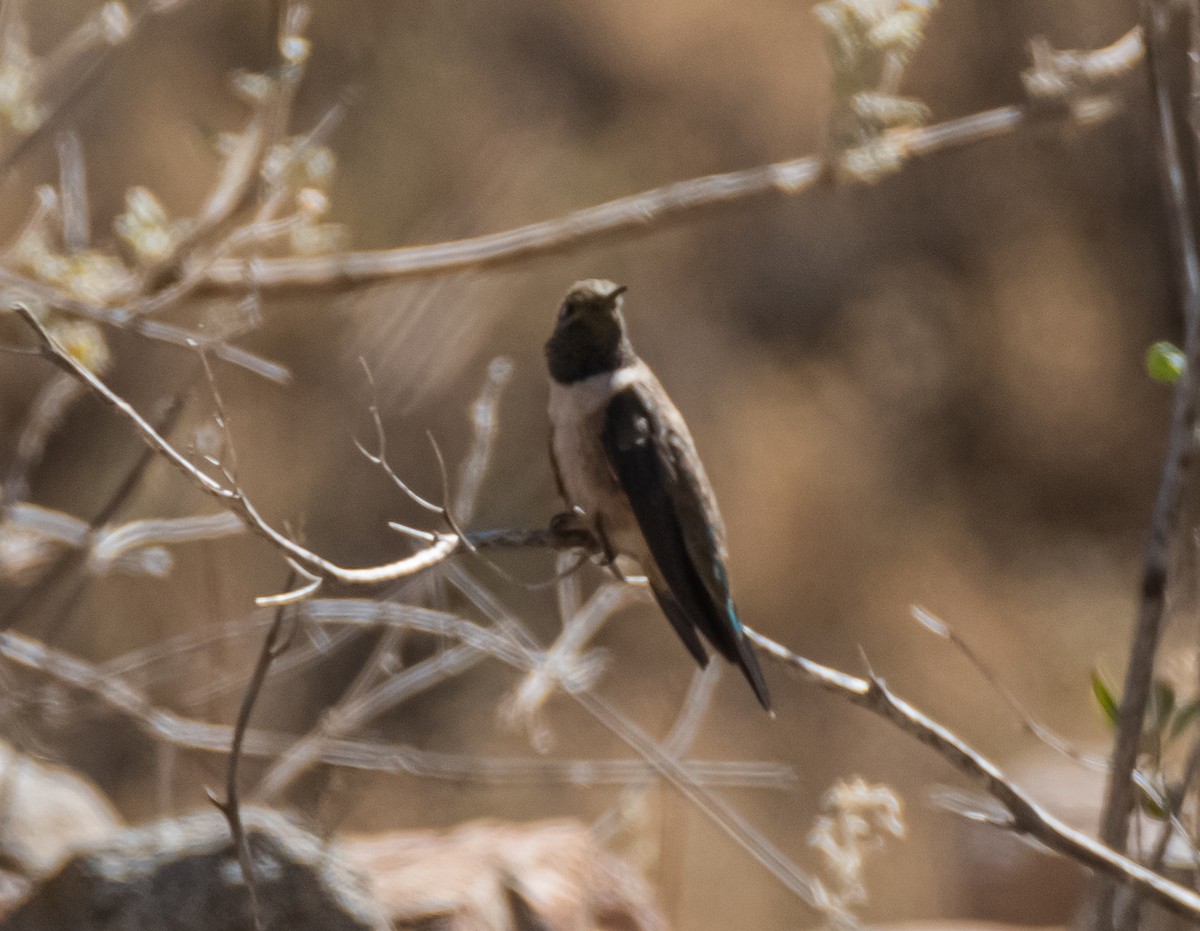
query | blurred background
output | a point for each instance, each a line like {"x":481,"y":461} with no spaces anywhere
{"x":929,"y":390}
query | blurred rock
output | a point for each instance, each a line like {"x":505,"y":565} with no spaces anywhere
{"x":491,"y":876}
{"x":953,"y":925}
{"x":183,"y":875}
{"x":48,"y":812}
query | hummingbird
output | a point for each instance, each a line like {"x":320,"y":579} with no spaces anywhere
{"x":624,"y":459}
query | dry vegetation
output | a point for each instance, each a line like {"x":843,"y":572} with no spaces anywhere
{"x":272,"y":474}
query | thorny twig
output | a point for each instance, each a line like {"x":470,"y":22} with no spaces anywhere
{"x":1025,"y":816}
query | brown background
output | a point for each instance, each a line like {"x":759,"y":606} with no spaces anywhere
{"x":930,"y":390}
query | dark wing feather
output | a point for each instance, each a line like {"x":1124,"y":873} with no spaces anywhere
{"x":682,"y":623}
{"x":678,"y":520}
{"x":558,"y":481}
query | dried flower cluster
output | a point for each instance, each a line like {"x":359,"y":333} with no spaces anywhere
{"x":870,"y":42}
{"x":856,"y":819}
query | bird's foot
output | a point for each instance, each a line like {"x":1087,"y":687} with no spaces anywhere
{"x":570,"y":521}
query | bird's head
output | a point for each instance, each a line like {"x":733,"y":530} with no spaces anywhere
{"x":589,"y":336}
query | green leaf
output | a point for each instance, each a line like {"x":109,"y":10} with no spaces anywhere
{"x":1153,"y":803}
{"x":1185,"y":716}
{"x":1104,"y":698}
{"x":1165,"y":362}
{"x":1163,"y":703}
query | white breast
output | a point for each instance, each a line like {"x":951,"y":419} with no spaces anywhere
{"x":581,"y":400}
{"x":577,"y":417}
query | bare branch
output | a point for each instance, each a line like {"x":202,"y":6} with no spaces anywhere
{"x":71,"y":69}
{"x":1029,"y":723}
{"x":15,"y":287}
{"x":136,"y":547}
{"x":641,"y":213}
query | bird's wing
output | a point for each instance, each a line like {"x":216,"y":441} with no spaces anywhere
{"x":680,"y":523}
{"x":554,"y":467}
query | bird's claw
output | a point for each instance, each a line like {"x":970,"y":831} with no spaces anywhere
{"x":568,"y":521}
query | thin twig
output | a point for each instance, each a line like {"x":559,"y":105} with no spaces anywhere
{"x":46,"y":414}
{"x":722,"y":814}
{"x":1172,"y":825}
{"x":79,"y":78}
{"x":1180,"y":192}
{"x":73,"y":192}
{"x":22,"y":287}
{"x":1032,"y":725}
{"x":1029,"y":723}
{"x":71,"y":560}
{"x":230,"y":807}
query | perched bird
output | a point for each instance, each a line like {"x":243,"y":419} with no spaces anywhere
{"x":623,"y":455}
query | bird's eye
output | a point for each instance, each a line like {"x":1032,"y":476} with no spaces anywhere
{"x":568,"y":311}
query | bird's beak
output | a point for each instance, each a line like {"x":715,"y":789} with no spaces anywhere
{"x":621,"y":289}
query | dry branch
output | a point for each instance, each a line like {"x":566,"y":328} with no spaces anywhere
{"x":650,"y":210}
{"x":1026,"y":817}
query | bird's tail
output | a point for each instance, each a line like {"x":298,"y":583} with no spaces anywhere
{"x":731,"y":642}
{"x":743,"y":656}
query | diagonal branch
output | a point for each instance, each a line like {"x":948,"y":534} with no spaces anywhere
{"x":233,"y":498}
{"x":1026,"y":817}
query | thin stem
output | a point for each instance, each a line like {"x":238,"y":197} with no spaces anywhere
{"x":1181,"y":221}
{"x":230,"y":807}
